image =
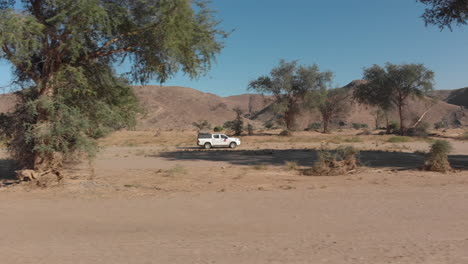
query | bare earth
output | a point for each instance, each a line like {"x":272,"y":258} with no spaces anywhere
{"x":156,"y":199}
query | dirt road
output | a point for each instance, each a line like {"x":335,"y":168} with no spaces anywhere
{"x":352,"y":225}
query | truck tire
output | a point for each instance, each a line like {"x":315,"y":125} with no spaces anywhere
{"x":207,"y":145}
{"x":233,"y":145}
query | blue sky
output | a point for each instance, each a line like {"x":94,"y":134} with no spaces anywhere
{"x":342,"y":36}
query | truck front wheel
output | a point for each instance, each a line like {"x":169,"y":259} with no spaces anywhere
{"x":233,"y":145}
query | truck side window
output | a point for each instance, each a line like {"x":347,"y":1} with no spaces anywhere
{"x":224,"y":137}
{"x":216,"y":136}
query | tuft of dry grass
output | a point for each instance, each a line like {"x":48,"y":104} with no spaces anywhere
{"x":437,"y":158}
{"x":341,"y":161}
{"x":292,"y":165}
{"x":260,"y":167}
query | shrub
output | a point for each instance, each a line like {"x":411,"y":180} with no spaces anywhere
{"x":218,"y":129}
{"x":269,"y":124}
{"x":359,"y":125}
{"x":393,"y":127}
{"x":441,"y":125}
{"x":292,"y":165}
{"x":419,"y":131}
{"x":314,"y":126}
{"x":338,"y":162}
{"x":285,"y":133}
{"x":437,"y":158}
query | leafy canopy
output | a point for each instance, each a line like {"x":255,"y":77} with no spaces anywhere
{"x":63,"y":53}
{"x":390,"y":86}
{"x":290,"y":84}
{"x":444,"y":13}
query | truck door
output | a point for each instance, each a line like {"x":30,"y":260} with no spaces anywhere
{"x":224,"y":140}
{"x":217,"y":141}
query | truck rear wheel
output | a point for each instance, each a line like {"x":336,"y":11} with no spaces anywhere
{"x":207,"y":145}
{"x":233,"y":145}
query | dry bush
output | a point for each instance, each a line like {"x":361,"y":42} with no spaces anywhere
{"x":335,"y":162}
{"x":285,"y":133}
{"x":292,"y":165}
{"x":437,"y":158}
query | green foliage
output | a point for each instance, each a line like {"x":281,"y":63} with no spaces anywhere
{"x":393,"y":126}
{"x":445,"y":13}
{"x":63,"y":51}
{"x":391,"y":86}
{"x":331,"y":104}
{"x":437,"y":158}
{"x":269,"y":124}
{"x":420,"y":131}
{"x":202,"y":125}
{"x":218,"y":129}
{"x":314,"y":126}
{"x":290,"y":84}
{"x":236,"y":125}
{"x":441,"y":125}
{"x":359,"y":125}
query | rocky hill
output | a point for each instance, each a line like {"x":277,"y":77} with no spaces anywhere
{"x":178,"y":107}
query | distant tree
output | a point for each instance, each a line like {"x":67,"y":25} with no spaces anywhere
{"x":290,"y":84}
{"x":202,"y":125}
{"x":63,"y":52}
{"x":444,"y":13}
{"x":391,"y":86}
{"x":236,"y":125}
{"x":331,"y":104}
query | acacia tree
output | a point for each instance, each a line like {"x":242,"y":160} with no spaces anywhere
{"x":237,"y":125}
{"x":290,"y":84}
{"x":63,"y":53}
{"x":332,"y":103}
{"x":391,"y":86}
{"x":444,"y":13}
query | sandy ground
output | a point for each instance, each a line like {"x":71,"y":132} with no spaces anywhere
{"x":153,"y":200}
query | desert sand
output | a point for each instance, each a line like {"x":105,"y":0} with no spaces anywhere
{"x":158,"y":199}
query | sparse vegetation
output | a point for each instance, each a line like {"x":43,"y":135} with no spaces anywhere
{"x":335,"y":162}
{"x":218,"y":129}
{"x":420,"y":131}
{"x":202,"y":125}
{"x":441,"y":125}
{"x":260,"y":167}
{"x":398,"y":139}
{"x":314,"y":126}
{"x":292,"y":165}
{"x":177,"y":170}
{"x":437,"y":158}
{"x":359,"y":125}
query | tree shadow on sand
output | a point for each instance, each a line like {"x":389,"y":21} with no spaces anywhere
{"x":306,"y":157}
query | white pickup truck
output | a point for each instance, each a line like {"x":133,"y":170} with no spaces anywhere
{"x":208,"y":141}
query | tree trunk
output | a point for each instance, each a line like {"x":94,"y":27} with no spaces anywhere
{"x":325,"y":125}
{"x":400,"y":113}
